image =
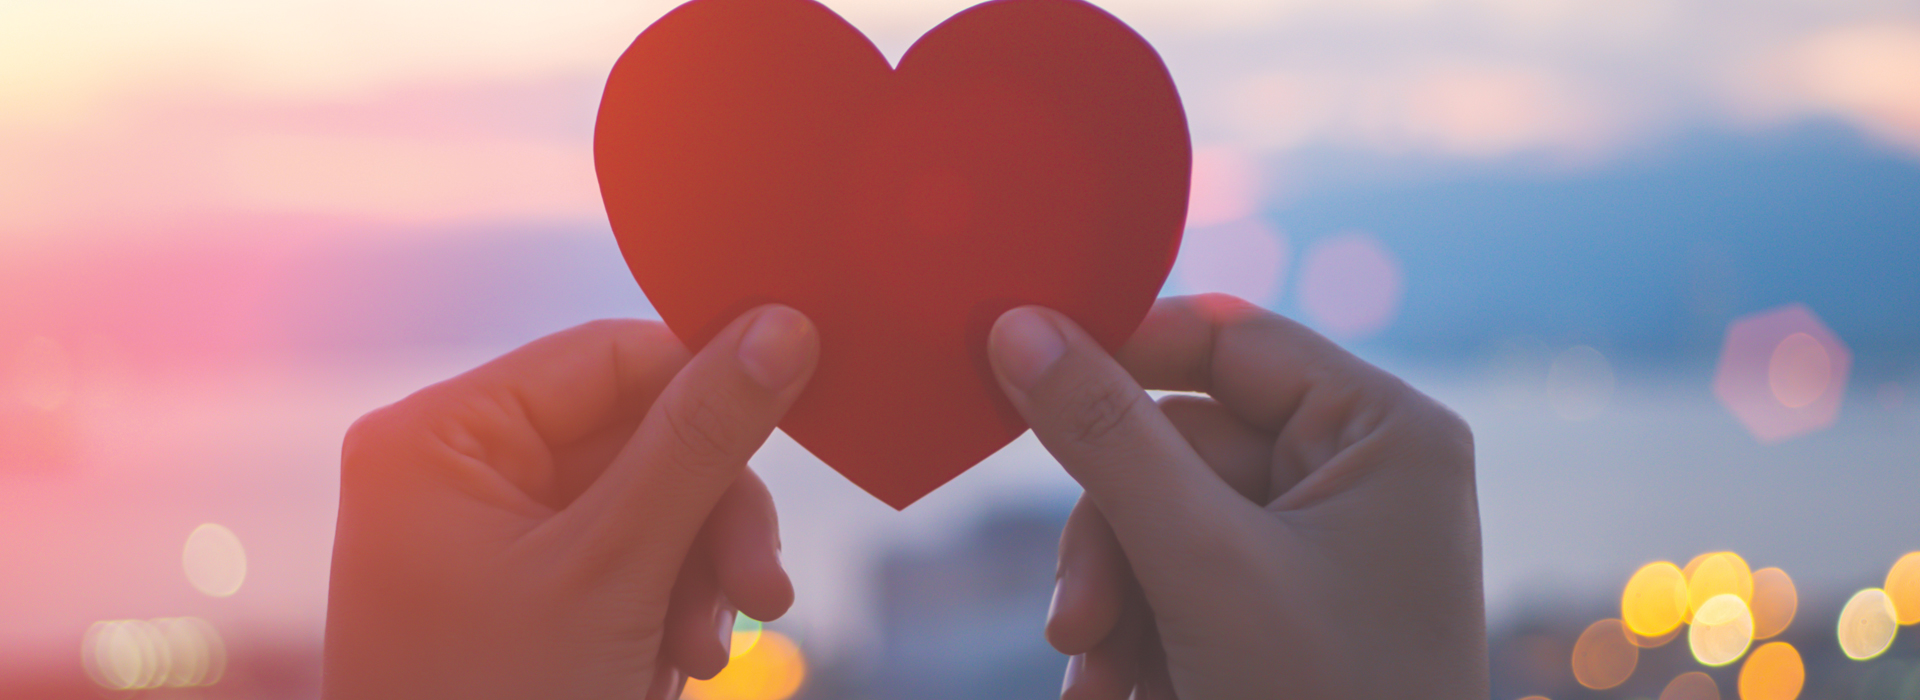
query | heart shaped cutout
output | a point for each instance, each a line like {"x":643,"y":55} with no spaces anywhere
{"x":1024,"y":152}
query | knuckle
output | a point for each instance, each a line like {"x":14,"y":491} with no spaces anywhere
{"x":367,"y":435}
{"x":376,"y":439}
{"x":704,"y":432}
{"x":1098,"y":410}
{"x":1220,"y":302}
{"x":1454,"y":432}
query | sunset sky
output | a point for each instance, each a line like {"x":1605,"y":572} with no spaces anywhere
{"x":118,"y":115}
{"x":229,"y":227}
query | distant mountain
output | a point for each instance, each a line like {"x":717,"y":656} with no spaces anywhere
{"x":1649,"y":258}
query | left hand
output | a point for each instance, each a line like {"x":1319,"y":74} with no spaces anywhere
{"x":572,"y":520}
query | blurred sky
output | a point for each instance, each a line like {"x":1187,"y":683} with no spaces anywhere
{"x":241,"y":224}
{"x":429,"y":112}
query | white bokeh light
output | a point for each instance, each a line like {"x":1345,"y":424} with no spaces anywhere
{"x":214,"y":561}
{"x":1580,"y":383}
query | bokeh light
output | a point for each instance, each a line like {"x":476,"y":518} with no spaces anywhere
{"x":746,"y":633}
{"x":180,"y":652}
{"x":1775,"y":600}
{"x":1718,"y":573}
{"x":1782,"y":373}
{"x":1867,"y":625}
{"x":1655,"y":642}
{"x":1603,"y":658}
{"x":1799,"y":371}
{"x":1224,"y":187}
{"x":1722,"y":630}
{"x":1350,"y":285}
{"x":1772,"y":672}
{"x":215,"y":562}
{"x":772,"y":669}
{"x":1654,"y":602}
{"x":1692,"y":685}
{"x":1245,"y":258}
{"x":1579,"y":383}
{"x":1903,"y":588}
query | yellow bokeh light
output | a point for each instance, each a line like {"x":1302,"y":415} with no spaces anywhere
{"x":215,"y":562}
{"x":1603,"y":658}
{"x":1867,"y":624}
{"x":1655,"y":600}
{"x":772,"y":669}
{"x":1718,"y":573}
{"x":1646,"y":642}
{"x":1692,"y":685}
{"x":746,"y":633}
{"x":1722,"y":630}
{"x":180,"y":652}
{"x":1903,"y":588}
{"x":1773,"y":672}
{"x":1775,"y":601}
{"x":1694,"y":563}
{"x":197,"y":656}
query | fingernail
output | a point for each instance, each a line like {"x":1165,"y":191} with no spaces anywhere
{"x":1025,"y":344}
{"x":773,"y":350}
{"x":1053,"y":606}
{"x":677,"y":685}
{"x":723,"y":623}
{"x":1073,"y":672}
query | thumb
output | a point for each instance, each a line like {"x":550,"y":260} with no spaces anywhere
{"x":1158,"y":494}
{"x":697,"y":436}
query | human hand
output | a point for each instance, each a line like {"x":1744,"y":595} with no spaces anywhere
{"x":1307,"y":530}
{"x":572,"y":520}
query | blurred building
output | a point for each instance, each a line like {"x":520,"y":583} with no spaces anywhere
{"x":962,"y":619}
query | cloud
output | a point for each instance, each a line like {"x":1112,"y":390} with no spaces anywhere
{"x":439,"y":111}
{"x":1446,"y":107}
{"x":434,"y":154}
{"x":1867,"y":75}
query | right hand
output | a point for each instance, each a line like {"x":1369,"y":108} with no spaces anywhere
{"x":1308,"y":529}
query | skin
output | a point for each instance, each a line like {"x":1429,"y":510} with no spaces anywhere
{"x":1305,"y":528}
{"x":576,"y":519}
{"x":572,"y":520}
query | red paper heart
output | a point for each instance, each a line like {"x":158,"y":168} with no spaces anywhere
{"x":1025,"y":152}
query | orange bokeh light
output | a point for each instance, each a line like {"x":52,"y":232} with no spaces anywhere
{"x":1775,"y":600}
{"x":1772,"y":672}
{"x":1692,"y":685}
{"x":1603,"y":658}
{"x":772,"y":669}
{"x":1903,"y":588}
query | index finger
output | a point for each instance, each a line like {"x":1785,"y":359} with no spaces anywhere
{"x":569,"y":384}
{"x":1260,"y":365}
